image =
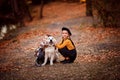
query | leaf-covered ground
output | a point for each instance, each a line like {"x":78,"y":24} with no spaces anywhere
{"x":98,"y":48}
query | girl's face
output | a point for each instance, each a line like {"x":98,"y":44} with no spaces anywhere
{"x":65,"y":34}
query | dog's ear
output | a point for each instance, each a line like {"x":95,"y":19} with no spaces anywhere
{"x":48,"y":35}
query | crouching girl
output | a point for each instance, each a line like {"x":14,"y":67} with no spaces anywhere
{"x":66,"y":47}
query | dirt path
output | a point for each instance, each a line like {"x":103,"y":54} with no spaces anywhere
{"x":98,"y":52}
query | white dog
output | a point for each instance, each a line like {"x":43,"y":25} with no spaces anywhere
{"x":50,"y":50}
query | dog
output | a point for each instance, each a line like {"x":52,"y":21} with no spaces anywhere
{"x":50,"y":50}
{"x":46,"y":52}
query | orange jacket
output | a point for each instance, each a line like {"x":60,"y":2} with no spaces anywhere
{"x":66,"y":43}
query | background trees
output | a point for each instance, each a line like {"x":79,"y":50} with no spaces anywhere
{"x":89,"y":8}
{"x":12,"y":11}
{"x":108,"y":11}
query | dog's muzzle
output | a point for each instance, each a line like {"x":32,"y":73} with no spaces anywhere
{"x":51,"y":42}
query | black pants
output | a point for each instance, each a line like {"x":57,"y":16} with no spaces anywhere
{"x":71,"y":54}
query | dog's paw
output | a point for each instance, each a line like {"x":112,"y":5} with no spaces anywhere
{"x":51,"y":64}
{"x":43,"y":65}
{"x":39,"y":65}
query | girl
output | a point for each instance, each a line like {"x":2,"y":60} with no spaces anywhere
{"x":66,"y":47}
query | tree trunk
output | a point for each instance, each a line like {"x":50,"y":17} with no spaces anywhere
{"x":26,"y":10}
{"x":41,"y":8}
{"x":89,"y":8}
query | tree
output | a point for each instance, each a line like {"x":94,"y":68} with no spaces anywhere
{"x":20,"y":9}
{"x":41,"y":8}
{"x":108,"y":11}
{"x":89,"y":8}
{"x":43,"y":2}
{"x":13,"y":11}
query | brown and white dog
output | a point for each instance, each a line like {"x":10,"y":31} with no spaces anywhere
{"x":50,"y":50}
